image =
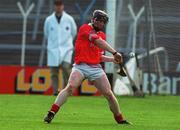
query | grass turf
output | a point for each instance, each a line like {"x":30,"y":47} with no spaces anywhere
{"x":25,"y":112}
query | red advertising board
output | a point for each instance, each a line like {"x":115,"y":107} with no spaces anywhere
{"x":34,"y":80}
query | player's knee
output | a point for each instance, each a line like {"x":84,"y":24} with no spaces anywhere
{"x":108,"y":95}
{"x":70,"y":88}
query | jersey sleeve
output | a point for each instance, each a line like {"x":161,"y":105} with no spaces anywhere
{"x":88,"y":33}
{"x":103,"y":36}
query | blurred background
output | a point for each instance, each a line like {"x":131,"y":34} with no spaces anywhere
{"x":153,"y":34}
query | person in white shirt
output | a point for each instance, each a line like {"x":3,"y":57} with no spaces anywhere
{"x":59,"y":29}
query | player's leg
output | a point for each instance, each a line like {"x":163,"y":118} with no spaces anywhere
{"x":103,"y":85}
{"x":66,"y":69}
{"x":75,"y":81}
{"x":54,"y":79}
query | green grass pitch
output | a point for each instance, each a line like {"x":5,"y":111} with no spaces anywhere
{"x":26,"y":112}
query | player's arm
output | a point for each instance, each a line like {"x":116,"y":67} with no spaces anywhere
{"x":105,"y":46}
{"x":107,"y":59}
{"x":98,"y":41}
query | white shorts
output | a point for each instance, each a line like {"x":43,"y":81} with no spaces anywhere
{"x":90,"y":72}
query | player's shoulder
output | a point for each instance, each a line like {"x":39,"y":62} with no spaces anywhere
{"x":102,"y":34}
{"x":85,"y":26}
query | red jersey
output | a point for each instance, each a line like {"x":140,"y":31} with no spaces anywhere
{"x":85,"y":49}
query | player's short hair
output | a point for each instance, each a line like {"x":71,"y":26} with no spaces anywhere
{"x":58,"y":2}
{"x":100,"y":15}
